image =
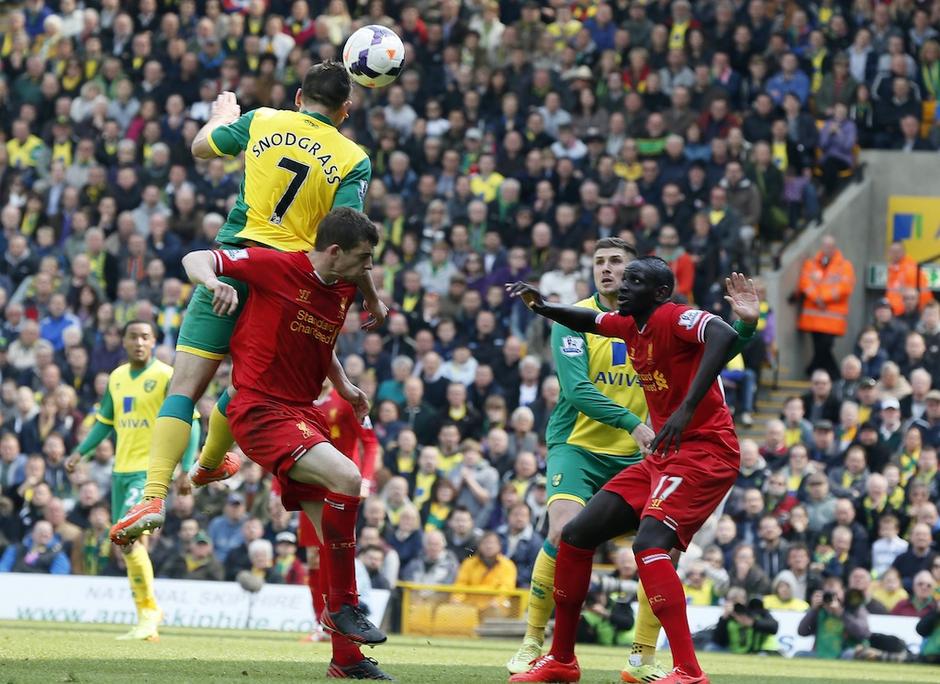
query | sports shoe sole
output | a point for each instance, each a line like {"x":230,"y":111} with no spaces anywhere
{"x":133,"y":532}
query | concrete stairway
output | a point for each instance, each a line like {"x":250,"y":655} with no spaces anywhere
{"x":769,"y":405}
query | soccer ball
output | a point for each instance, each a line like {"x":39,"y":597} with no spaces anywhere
{"x":373,"y":56}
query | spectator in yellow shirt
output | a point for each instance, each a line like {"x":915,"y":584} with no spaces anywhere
{"x":487,"y":569}
{"x":484,"y":184}
{"x":699,"y":587}
{"x":782,"y":597}
{"x":889,"y":591}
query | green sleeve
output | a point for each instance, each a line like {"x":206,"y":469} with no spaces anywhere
{"x":103,"y":427}
{"x":192,"y":449}
{"x":98,"y":433}
{"x":352,"y":189}
{"x":745,"y":333}
{"x":571,"y":366}
{"x":232,"y":138}
{"x":106,"y":410}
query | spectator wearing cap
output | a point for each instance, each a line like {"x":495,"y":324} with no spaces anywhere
{"x":889,"y":424}
{"x":195,"y":563}
{"x":225,"y":529}
{"x":287,"y":566}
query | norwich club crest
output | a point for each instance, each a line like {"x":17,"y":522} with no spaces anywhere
{"x":149,"y":385}
{"x":556,"y":479}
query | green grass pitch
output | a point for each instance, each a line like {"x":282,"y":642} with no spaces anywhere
{"x":49,"y":652}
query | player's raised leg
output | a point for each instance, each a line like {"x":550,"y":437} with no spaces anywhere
{"x":606,"y":516}
{"x":335,"y":521}
{"x":216,"y":462}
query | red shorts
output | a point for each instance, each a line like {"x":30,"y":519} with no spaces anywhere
{"x":681,"y":490}
{"x":274,"y":435}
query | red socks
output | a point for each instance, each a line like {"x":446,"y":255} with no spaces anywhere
{"x":314,"y":577}
{"x":338,"y":566}
{"x":667,"y":599}
{"x":339,"y":548}
{"x":571,"y":587}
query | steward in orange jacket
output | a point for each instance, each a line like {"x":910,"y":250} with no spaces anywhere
{"x":826,"y":283}
{"x":902,"y":275}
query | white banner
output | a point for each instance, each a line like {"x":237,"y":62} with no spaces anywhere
{"x":791,"y":643}
{"x":185,"y":603}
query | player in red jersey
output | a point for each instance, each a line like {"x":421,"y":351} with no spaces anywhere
{"x":678,"y":353}
{"x":282,"y":349}
{"x":347,"y":434}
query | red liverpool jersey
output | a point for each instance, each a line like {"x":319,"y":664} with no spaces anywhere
{"x":666,"y":354}
{"x":283,"y":342}
{"x":346,"y":433}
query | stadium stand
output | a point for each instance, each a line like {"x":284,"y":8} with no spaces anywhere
{"x":708,"y":133}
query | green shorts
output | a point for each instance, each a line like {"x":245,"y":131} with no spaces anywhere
{"x":576,"y":474}
{"x":204,"y":332}
{"x":126,"y":489}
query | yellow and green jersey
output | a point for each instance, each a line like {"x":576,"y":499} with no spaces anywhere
{"x":601,"y":398}
{"x":130,"y":407}
{"x":298,"y":167}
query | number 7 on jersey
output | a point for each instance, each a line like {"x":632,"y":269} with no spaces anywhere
{"x":299,"y":172}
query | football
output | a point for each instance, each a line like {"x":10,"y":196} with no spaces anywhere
{"x":373,"y":56}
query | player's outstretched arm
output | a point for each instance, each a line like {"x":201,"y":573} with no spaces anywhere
{"x":225,"y":110}
{"x":575,"y":317}
{"x":745,"y":303}
{"x":719,"y":338}
{"x":201,"y":268}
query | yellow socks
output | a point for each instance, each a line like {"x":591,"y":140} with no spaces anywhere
{"x":219,"y":438}
{"x":541,"y":600}
{"x":140,"y":574}
{"x":171,"y":435}
{"x":647,"y":629}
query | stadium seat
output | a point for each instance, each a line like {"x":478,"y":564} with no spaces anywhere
{"x":419,"y":619}
{"x":455,"y":619}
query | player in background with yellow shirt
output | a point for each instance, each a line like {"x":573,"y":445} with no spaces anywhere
{"x":129,"y":409}
{"x":298,"y":166}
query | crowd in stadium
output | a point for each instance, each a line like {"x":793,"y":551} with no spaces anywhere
{"x":518,"y":135}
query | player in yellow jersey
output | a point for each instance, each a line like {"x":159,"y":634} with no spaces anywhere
{"x":597,"y":429}
{"x":129,"y":410}
{"x":298,"y":167}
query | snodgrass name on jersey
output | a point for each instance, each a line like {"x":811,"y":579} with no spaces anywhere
{"x":302,"y":142}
